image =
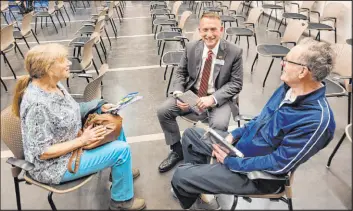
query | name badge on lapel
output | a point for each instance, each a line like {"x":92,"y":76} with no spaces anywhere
{"x":220,"y":62}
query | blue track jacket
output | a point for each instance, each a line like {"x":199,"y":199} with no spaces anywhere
{"x":284,"y":135}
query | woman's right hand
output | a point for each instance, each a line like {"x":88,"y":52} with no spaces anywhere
{"x":91,"y":135}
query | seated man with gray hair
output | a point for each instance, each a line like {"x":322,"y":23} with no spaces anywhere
{"x":295,"y":124}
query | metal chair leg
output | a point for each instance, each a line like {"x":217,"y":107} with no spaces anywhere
{"x":62,"y":16}
{"x":106,"y":33}
{"x":160,"y":59}
{"x":3,"y":14}
{"x":8,"y":63}
{"x":335,"y":150}
{"x":235,"y":202}
{"x":170,"y":79}
{"x":51,"y":202}
{"x":17,"y":190}
{"x":95,"y":46}
{"x":19,"y":49}
{"x":26,"y":42}
{"x":68,"y":17}
{"x":290,"y":205}
{"x":51,"y":18}
{"x":268,"y":71}
{"x":252,"y":66}
{"x":165,"y":72}
{"x":3,"y":83}
{"x":35,"y":37}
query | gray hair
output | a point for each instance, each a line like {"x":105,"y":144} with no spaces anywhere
{"x":319,"y":57}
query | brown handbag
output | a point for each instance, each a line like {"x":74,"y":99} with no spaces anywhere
{"x":113,"y":124}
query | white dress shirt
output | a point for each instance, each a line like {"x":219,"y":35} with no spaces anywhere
{"x":211,"y":88}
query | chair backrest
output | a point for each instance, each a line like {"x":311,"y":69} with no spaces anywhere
{"x":349,"y":132}
{"x":234,"y":5}
{"x":333,"y":10}
{"x":11,"y":132}
{"x":307,"y":4}
{"x":111,"y":10}
{"x":4,"y":5}
{"x":51,"y":7}
{"x":294,"y":30}
{"x":196,"y":35}
{"x":93,"y":89}
{"x":26,"y":23}
{"x":100,"y":24}
{"x":183,"y":18}
{"x":254,"y":15}
{"x":60,"y":4}
{"x":7,"y":36}
{"x":176,"y":7}
{"x":343,"y":65}
{"x":88,"y":52}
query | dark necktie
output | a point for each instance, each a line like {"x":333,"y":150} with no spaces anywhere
{"x":205,"y":75}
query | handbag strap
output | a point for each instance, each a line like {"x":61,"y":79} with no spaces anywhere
{"x":75,"y":154}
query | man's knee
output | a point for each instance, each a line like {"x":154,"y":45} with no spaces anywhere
{"x":220,"y":123}
{"x":164,"y":110}
{"x":191,"y":135}
{"x":180,"y":176}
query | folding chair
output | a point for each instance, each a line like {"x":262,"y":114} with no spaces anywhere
{"x":26,"y":30}
{"x":292,"y":34}
{"x":331,"y":13}
{"x":253,"y":18}
{"x":8,"y":43}
{"x":12,"y":137}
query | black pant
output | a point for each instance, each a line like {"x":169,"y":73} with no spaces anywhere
{"x":197,"y":176}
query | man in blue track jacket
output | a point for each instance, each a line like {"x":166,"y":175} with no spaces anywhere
{"x":294,"y":125}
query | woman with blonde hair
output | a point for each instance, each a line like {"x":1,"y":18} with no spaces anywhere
{"x":51,"y":121}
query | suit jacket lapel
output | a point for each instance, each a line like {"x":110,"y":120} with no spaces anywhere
{"x":198,"y":57}
{"x":220,"y":56}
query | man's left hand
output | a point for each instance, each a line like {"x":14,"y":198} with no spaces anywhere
{"x":219,"y":153}
{"x":205,"y":102}
{"x":107,"y":106}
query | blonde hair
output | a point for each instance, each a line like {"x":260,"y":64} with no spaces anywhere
{"x":38,"y":62}
{"x":211,"y":15}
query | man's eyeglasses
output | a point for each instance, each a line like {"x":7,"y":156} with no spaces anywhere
{"x":285,"y":61}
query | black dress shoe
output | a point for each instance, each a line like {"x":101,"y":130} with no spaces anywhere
{"x":167,"y":164}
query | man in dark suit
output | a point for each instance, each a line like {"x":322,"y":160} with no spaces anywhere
{"x":212,"y":68}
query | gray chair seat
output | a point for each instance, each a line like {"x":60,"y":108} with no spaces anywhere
{"x":333,"y":88}
{"x":319,"y":26}
{"x":17,"y":35}
{"x":172,"y":57}
{"x":75,"y":66}
{"x":272,"y":50}
{"x":42,"y":14}
{"x":86,"y":30}
{"x":272,"y":6}
{"x":227,"y":18}
{"x":159,"y":11}
{"x":239,"y":31}
{"x":61,"y":188}
{"x":158,"y":3}
{"x":164,"y":22}
{"x":79,"y":41}
{"x":294,"y":16}
{"x":213,"y":9}
{"x":168,"y":35}
{"x":10,"y":47}
{"x":349,"y":41}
